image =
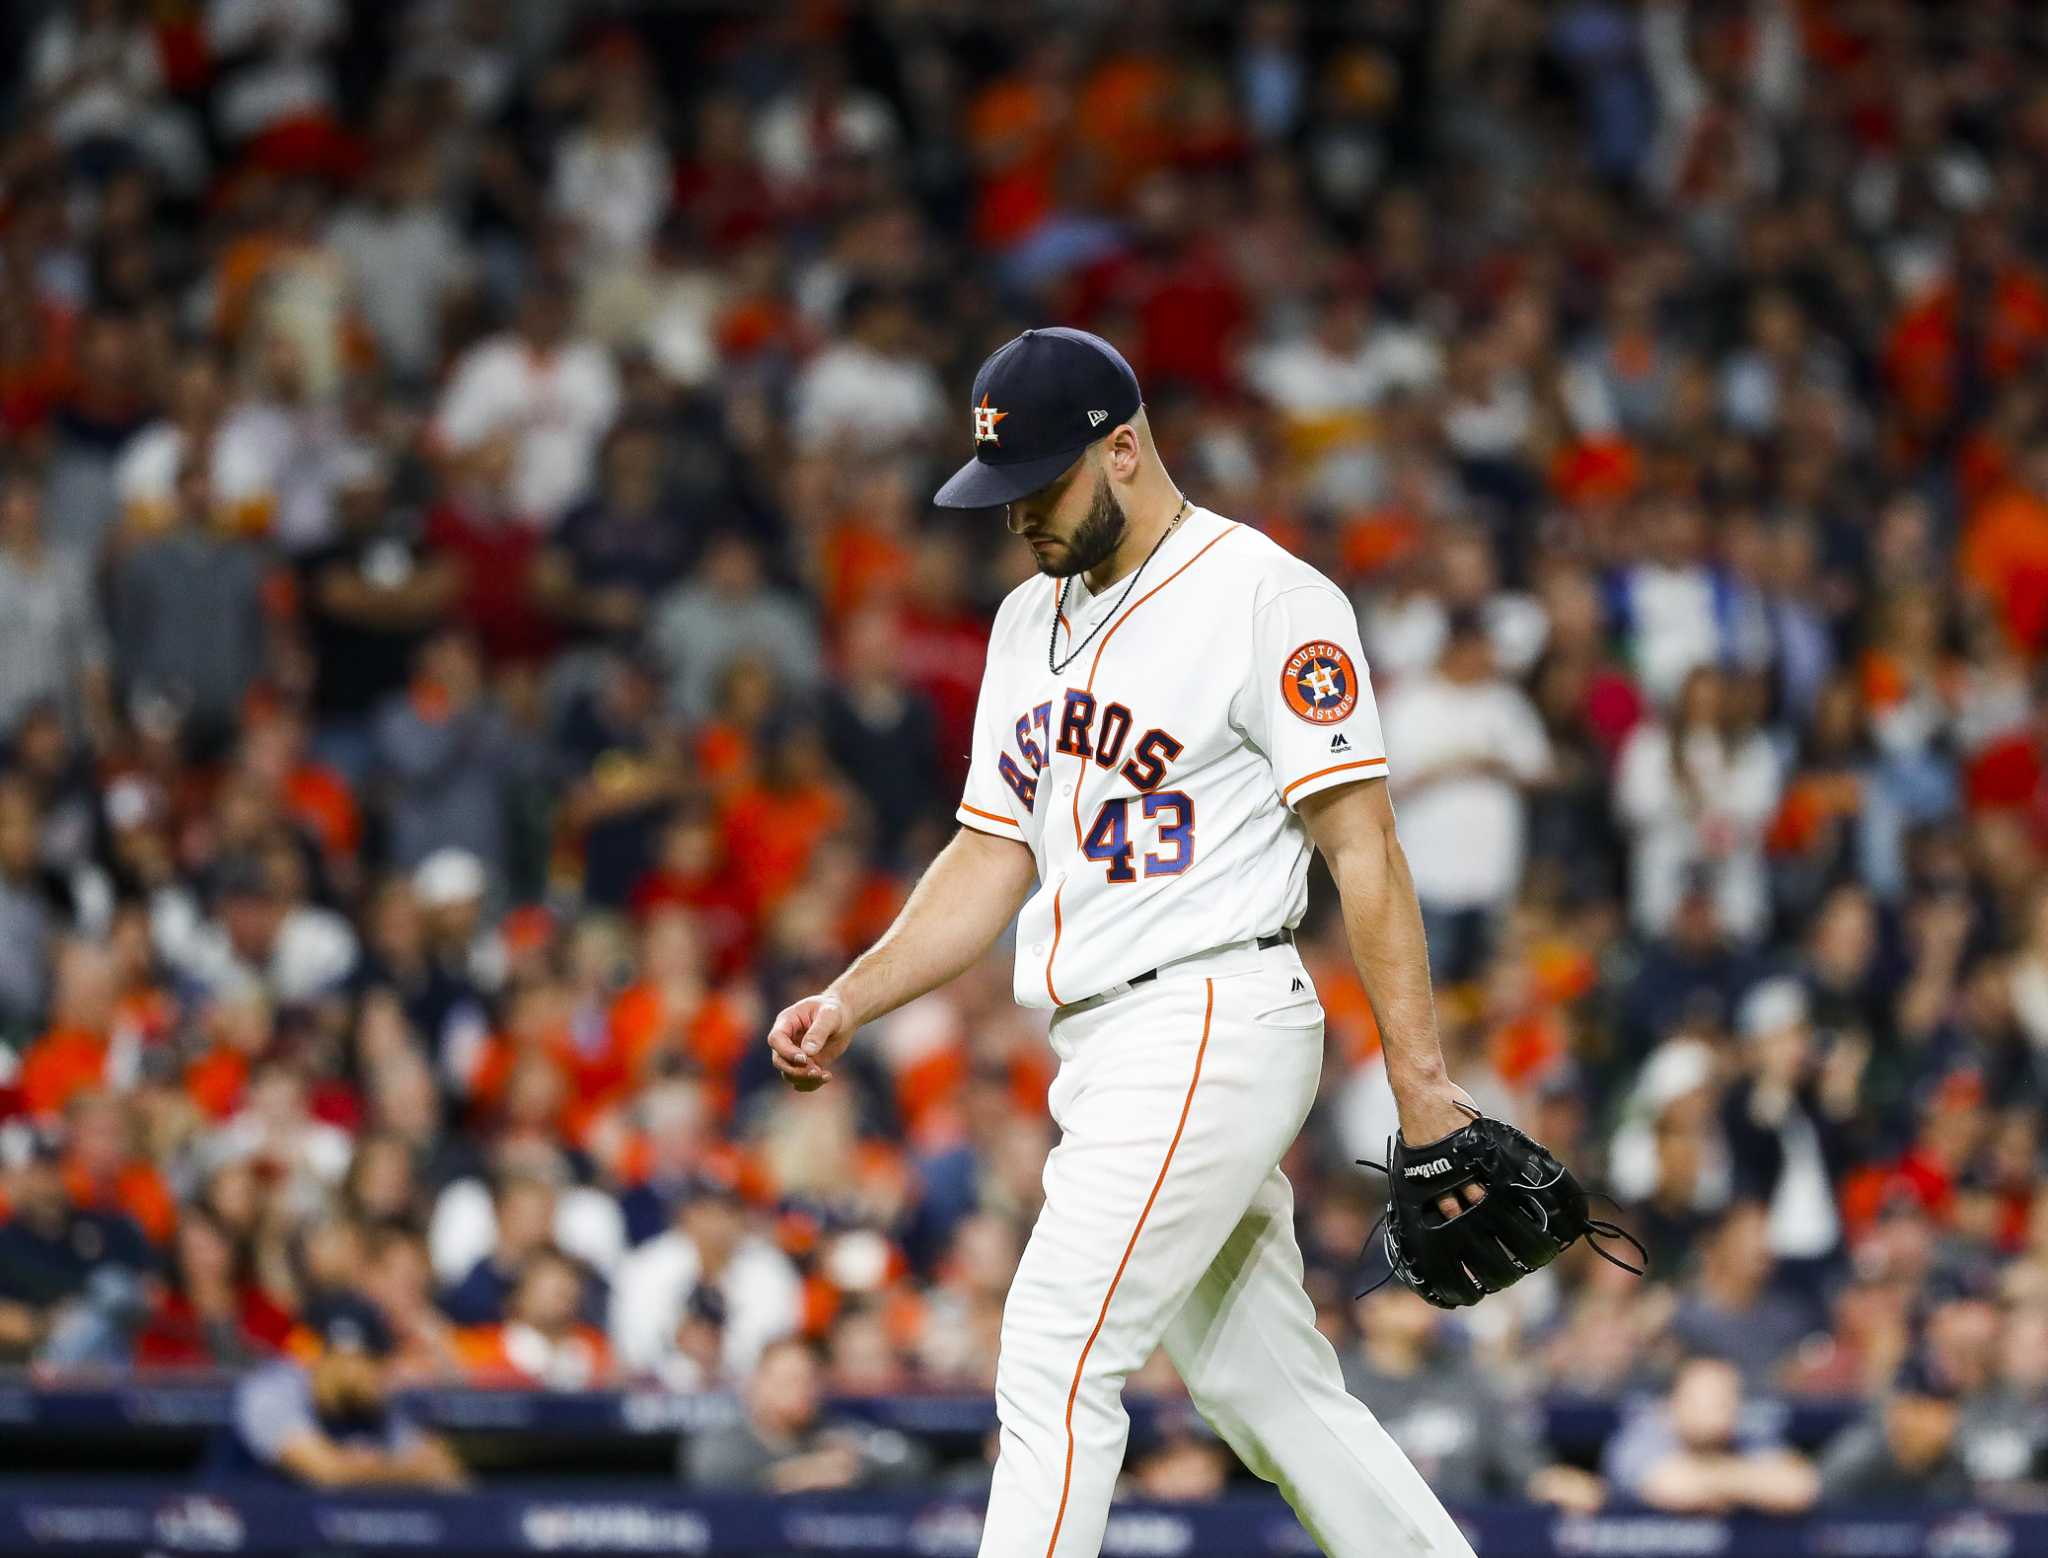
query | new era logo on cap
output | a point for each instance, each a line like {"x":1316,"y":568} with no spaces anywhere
{"x":1054,"y":391}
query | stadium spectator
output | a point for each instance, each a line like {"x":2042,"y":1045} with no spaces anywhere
{"x":785,"y":1442}
{"x":405,"y":260}
{"x":1448,"y":1412}
{"x":543,"y":393}
{"x":708,"y":1245}
{"x":262,"y":936}
{"x":611,"y":177}
{"x":188,"y":618}
{"x":372,"y":595}
{"x":526,"y":1145}
{"x":1186,"y":1465}
{"x":1697,"y":789}
{"x":619,"y":552}
{"x":329,"y":1422}
{"x":525,"y":1221}
{"x":881,"y":733}
{"x":542,"y":1341}
{"x":195,"y":434}
{"x":1469,"y":745}
{"x":1731,"y":1310}
{"x":450,"y":758}
{"x":53,"y":650}
{"x":1693,"y":1453}
{"x":398,"y":1278}
{"x":305,"y":1159}
{"x":210,"y":1312}
{"x":726,"y":609}
{"x":2004,"y":1430}
{"x":1785,"y":1123}
{"x":72,"y":1282}
{"x":1906,"y":1448}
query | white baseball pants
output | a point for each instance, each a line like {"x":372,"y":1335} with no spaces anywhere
{"x":1167,"y":1218}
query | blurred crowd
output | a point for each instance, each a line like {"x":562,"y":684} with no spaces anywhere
{"x":473,"y":642}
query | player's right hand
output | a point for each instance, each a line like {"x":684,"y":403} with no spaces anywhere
{"x":807,"y":1037}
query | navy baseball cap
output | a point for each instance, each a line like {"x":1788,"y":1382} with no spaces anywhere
{"x":347,"y":1322}
{"x":1038,"y":402}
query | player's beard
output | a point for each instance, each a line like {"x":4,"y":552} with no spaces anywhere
{"x":1095,"y":539}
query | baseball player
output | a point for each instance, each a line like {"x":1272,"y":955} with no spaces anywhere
{"x":1171,"y":719}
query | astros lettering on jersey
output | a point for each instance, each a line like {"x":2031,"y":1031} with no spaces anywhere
{"x":1155,"y":779}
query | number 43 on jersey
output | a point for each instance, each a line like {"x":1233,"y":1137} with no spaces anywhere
{"x":1109,"y":836}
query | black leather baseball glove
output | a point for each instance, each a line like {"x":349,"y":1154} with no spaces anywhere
{"x":1532,"y":1211}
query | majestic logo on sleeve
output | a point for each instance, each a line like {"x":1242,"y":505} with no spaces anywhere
{"x":1320,"y":683}
{"x":985,"y":419}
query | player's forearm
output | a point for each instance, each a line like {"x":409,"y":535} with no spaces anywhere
{"x":1384,"y":924}
{"x":958,"y":908}
{"x":1354,"y":828}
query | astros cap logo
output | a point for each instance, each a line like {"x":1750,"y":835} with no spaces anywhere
{"x":985,"y":419}
{"x":1319,"y":682}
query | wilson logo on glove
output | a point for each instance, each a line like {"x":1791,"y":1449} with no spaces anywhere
{"x":1433,"y":1166}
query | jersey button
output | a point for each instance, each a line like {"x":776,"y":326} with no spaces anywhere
{"x":1066,"y":789}
{"x":1038,"y":949}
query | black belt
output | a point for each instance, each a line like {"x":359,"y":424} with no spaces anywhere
{"x":1279,"y":938}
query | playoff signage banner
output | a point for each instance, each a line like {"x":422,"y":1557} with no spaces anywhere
{"x":84,"y":1517}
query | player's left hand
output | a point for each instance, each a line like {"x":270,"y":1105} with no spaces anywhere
{"x":807,"y":1037}
{"x":1453,"y":1249}
{"x":1433,"y":1117}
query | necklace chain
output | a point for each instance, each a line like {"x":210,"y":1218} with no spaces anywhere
{"x":1060,"y":606}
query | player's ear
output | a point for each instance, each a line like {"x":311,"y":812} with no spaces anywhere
{"x":1122,"y":452}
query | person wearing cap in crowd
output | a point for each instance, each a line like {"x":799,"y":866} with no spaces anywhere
{"x":1905,"y":1447}
{"x":708,"y":1246}
{"x":325,"y":1418}
{"x":1788,"y":1124}
{"x":452,"y":887}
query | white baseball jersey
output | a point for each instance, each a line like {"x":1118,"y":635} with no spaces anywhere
{"x":1155,"y":776}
